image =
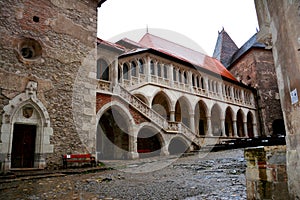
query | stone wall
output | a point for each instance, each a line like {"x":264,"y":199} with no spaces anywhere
{"x":256,"y":69}
{"x":266,"y":173}
{"x":53,"y":43}
{"x":280,"y":28}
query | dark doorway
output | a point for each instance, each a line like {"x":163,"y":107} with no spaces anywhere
{"x":23,"y":146}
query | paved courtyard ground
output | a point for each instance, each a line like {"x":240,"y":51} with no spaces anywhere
{"x":214,"y":175}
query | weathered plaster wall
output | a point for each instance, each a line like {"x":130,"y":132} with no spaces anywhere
{"x":280,"y":27}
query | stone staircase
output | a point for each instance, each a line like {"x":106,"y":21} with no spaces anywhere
{"x":157,"y":119}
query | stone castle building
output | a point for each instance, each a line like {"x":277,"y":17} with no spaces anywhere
{"x":61,"y":92}
{"x":47,"y":59}
{"x":253,"y":65}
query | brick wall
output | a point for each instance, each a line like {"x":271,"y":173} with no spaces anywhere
{"x":256,"y":69}
{"x":103,"y":99}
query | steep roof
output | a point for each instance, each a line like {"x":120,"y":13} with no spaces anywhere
{"x":225,"y":48}
{"x":251,"y":43}
{"x":129,"y":44}
{"x":110,"y":45}
{"x":185,"y":54}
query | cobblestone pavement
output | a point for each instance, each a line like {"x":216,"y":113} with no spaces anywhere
{"x":218,"y":175}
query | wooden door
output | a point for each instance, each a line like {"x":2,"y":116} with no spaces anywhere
{"x":23,"y":146}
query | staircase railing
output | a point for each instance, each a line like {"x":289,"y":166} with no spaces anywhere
{"x":176,"y":127}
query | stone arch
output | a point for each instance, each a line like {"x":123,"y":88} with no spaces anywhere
{"x":150,"y":142}
{"x":142,"y":97}
{"x":229,"y":116}
{"x":201,"y":113}
{"x":216,"y":114}
{"x":23,"y":111}
{"x":178,"y":145}
{"x":250,"y":120}
{"x":183,"y":110}
{"x":114,"y":131}
{"x":240,"y":123}
{"x":103,"y":69}
{"x":161,"y":104}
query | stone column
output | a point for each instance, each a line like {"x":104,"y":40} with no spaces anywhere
{"x":245,"y":129}
{"x":172,"y":115}
{"x":147,"y":70}
{"x":192,"y":122}
{"x":223,"y":128}
{"x":206,"y":85}
{"x":209,"y":127}
{"x":132,"y":149}
{"x":220,"y":90}
{"x":255,"y":130}
{"x":114,"y":73}
{"x":171,"y":75}
{"x":234,"y":128}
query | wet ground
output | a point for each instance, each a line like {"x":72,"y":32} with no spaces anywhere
{"x":216,"y":175}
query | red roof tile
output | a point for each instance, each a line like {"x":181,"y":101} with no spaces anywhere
{"x":110,"y":44}
{"x":186,"y":54}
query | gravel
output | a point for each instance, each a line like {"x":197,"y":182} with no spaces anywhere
{"x":217,"y":175}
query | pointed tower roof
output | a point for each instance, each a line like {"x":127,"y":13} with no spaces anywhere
{"x":185,"y":54}
{"x":225,"y":48}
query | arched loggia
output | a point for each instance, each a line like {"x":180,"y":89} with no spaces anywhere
{"x":112,"y":136}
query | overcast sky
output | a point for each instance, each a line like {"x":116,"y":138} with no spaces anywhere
{"x":197,"y":20}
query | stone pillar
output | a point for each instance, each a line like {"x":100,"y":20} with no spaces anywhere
{"x":171,"y":75}
{"x":234,"y":128}
{"x":220,"y":90}
{"x":206,"y":85}
{"x":209,"y":127}
{"x":190,"y":80}
{"x":147,"y":69}
{"x":223,"y":128}
{"x":266,"y":173}
{"x":114,"y":73}
{"x":172,"y":115}
{"x":132,"y":152}
{"x":255,"y":130}
{"x":245,"y":129}
{"x":192,"y":122}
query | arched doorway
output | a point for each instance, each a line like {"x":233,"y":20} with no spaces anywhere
{"x":182,"y":110}
{"x":240,"y":124}
{"x":201,"y":118}
{"x":112,"y":135}
{"x":278,"y":127}
{"x":250,"y":124}
{"x":148,"y":142}
{"x":161,"y":105}
{"x":177,"y":146}
{"x":23,"y":146}
{"x":215,"y":120}
{"x":25,"y":134}
{"x":229,"y":122}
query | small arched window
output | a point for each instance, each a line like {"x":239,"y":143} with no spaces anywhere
{"x":184,"y":78}
{"x":141,"y":66}
{"x":159,"y":70}
{"x":133,"y":69}
{"x":152,"y":67}
{"x":125,"y":71}
{"x":102,"y":70}
{"x":174,"y":75}
{"x":165,"y":71}
{"x":179,"y":76}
